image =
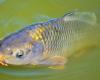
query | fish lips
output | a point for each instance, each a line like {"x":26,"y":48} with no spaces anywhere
{"x":2,"y":59}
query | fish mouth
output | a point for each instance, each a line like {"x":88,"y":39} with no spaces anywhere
{"x":2,"y":60}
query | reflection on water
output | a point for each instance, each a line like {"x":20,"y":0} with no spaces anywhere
{"x":17,"y":14}
{"x":32,"y":72}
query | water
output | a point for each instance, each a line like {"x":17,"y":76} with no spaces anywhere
{"x":15,"y":14}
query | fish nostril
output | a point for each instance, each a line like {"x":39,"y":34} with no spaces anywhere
{"x":11,"y":53}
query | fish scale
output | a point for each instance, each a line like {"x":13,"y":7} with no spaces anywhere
{"x":61,"y":35}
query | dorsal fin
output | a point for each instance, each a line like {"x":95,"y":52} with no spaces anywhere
{"x":71,"y":13}
{"x":88,"y":17}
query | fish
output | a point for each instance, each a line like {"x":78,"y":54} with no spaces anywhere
{"x":49,"y":43}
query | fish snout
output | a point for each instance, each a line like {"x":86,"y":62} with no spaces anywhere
{"x":2,"y":59}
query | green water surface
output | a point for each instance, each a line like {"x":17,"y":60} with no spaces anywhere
{"x":16,"y":14}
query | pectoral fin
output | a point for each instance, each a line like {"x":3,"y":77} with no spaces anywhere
{"x":58,"y":62}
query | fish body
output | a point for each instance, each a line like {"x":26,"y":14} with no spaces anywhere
{"x":48,"y":43}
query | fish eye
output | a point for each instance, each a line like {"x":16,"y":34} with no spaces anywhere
{"x":20,"y":54}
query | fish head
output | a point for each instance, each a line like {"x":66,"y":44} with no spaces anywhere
{"x":20,"y":51}
{"x":15,"y":51}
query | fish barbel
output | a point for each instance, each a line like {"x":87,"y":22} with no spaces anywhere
{"x":48,"y":43}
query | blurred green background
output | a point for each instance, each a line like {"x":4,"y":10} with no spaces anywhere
{"x":16,"y":14}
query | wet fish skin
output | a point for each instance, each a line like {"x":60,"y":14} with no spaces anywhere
{"x":48,"y":43}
